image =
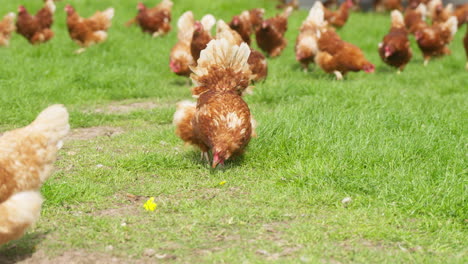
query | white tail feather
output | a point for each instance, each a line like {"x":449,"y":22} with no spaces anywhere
{"x":11,"y":16}
{"x":223,"y":31}
{"x":422,"y":9}
{"x":397,"y":19}
{"x":51,"y":6}
{"x":316,"y":13}
{"x":182,"y":108}
{"x":222,"y":54}
{"x":109,"y":13}
{"x":452,"y":25}
{"x":185,"y":26}
{"x":166,"y":4}
{"x":288,"y":11}
{"x":18,"y":213}
{"x":208,"y":21}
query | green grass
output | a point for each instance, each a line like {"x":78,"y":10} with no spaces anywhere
{"x":396,"y":144}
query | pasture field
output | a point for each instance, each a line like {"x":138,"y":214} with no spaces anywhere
{"x":395,"y":144}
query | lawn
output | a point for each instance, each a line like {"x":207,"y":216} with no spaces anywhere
{"x":395,"y":144}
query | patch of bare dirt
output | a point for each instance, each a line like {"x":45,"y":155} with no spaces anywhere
{"x":119,"y":108}
{"x":79,"y":257}
{"x":134,"y":208}
{"x":93,"y":132}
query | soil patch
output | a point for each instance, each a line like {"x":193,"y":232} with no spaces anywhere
{"x":93,"y":132}
{"x":119,"y":108}
{"x":78,"y":257}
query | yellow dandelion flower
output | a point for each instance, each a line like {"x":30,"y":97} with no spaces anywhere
{"x":222,"y":183}
{"x":150,"y":205}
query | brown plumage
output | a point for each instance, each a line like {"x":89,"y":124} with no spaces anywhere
{"x":339,"y":57}
{"x":461,"y":12}
{"x":88,"y":31}
{"x":339,"y":17}
{"x":306,"y":43}
{"x":155,"y":21}
{"x":7,"y":27}
{"x":26,"y":159}
{"x":258,"y":65}
{"x":181,"y":54}
{"x":242,"y":24}
{"x":270,"y":36}
{"x":395,"y":48}
{"x":438,"y":13}
{"x":331,"y":4}
{"x":292,"y":3}
{"x":412,"y":4}
{"x":387,"y":5}
{"x":256,"y":17}
{"x":415,"y":18}
{"x":201,"y":36}
{"x":36,"y":29}
{"x":247,"y":22}
{"x":257,"y":61}
{"x":433,"y":40}
{"x":221,"y":121}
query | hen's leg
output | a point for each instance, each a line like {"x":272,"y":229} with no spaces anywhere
{"x":338,"y":75}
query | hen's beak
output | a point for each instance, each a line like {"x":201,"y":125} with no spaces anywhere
{"x":387,"y":54}
{"x":216,"y":160}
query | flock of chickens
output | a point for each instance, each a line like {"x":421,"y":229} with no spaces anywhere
{"x":222,"y":66}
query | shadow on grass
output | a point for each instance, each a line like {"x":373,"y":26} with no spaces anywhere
{"x":182,"y":82}
{"x":21,"y":249}
{"x":194,"y":158}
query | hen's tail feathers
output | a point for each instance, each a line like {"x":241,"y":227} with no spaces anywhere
{"x":109,"y":13}
{"x":51,"y":6}
{"x":223,"y":31}
{"x":422,"y":10}
{"x":52,"y":123}
{"x":18,"y":213}
{"x":185,"y":25}
{"x":316,"y":14}
{"x":452,"y":25}
{"x":208,"y":21}
{"x":397,"y":19}
{"x":10,"y":16}
{"x":431,"y":6}
{"x":287,"y":12}
{"x":185,"y":110}
{"x":166,"y":4}
{"x":222,"y":66}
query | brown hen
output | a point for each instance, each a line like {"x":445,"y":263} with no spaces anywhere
{"x":36,"y":29}
{"x":339,"y":17}
{"x":433,"y":40}
{"x":306,"y":43}
{"x":270,"y":36}
{"x":220,"y":122}
{"x":201,"y":35}
{"x":7,"y":27}
{"x":387,"y":5}
{"x":395,"y":48}
{"x":155,"y":21}
{"x":181,"y":55}
{"x":339,"y":57}
{"x":26,"y":159}
{"x":88,"y":31}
